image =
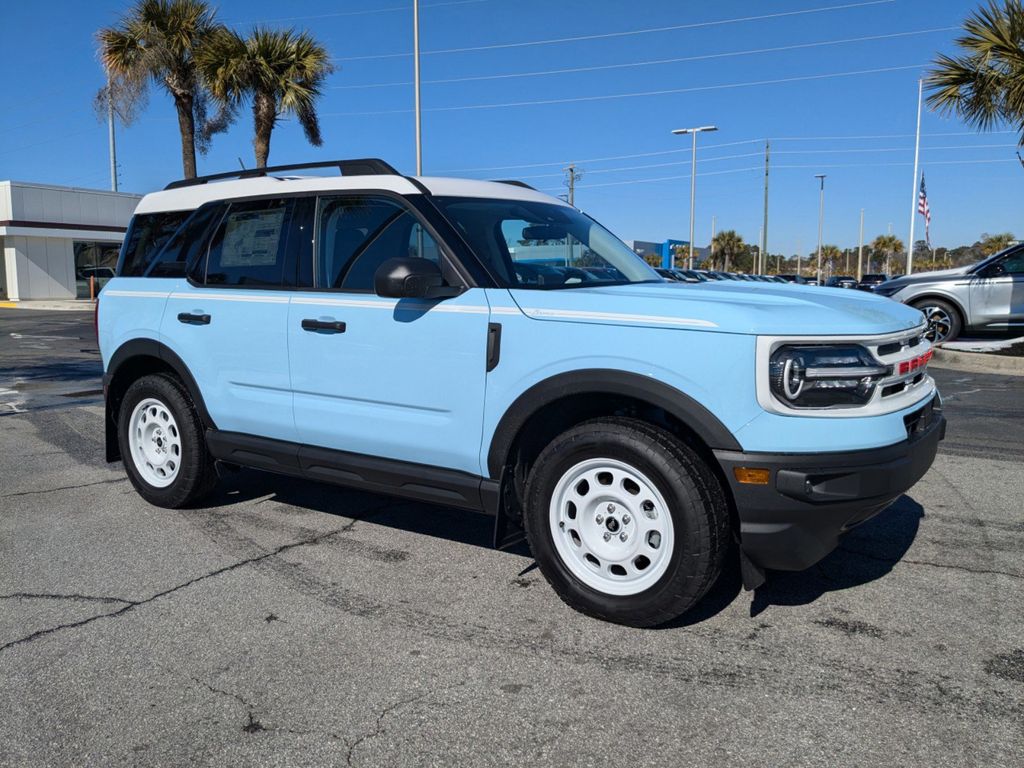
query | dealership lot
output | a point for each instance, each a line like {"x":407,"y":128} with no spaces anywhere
{"x":289,"y":623}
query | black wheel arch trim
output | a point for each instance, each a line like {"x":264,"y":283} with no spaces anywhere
{"x":136,"y":348}
{"x":605,"y":381}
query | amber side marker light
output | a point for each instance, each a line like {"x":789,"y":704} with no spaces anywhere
{"x":749,"y":476}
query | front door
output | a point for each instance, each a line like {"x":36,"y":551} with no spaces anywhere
{"x":399,"y":379}
{"x":997,"y":295}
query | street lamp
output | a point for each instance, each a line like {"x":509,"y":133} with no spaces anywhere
{"x":821,"y":217}
{"x":416,"y":86}
{"x":693,"y":178}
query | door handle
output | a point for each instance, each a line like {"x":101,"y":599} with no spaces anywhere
{"x":326,"y":326}
{"x":190,"y":318}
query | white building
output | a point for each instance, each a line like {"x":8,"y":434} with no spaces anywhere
{"x":53,"y":239}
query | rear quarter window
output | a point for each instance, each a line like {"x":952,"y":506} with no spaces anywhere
{"x":146,"y":236}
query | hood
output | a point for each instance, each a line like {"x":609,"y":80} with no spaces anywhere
{"x":929,"y":277}
{"x":772,"y":309}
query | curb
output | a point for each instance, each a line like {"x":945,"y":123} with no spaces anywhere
{"x":50,"y":306}
{"x":978,"y":362}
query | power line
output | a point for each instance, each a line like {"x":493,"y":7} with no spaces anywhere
{"x":625,"y":33}
{"x":601,"y":67}
{"x":633,"y":94}
{"x":367,"y":12}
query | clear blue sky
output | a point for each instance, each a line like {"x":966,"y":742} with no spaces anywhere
{"x":48,"y":132}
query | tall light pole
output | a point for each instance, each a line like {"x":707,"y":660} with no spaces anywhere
{"x":110,"y":134}
{"x":764,"y":227}
{"x":416,"y":78}
{"x":821,"y":218}
{"x":860,"y":248}
{"x":693,"y":178}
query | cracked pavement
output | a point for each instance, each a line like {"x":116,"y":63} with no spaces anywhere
{"x":288,"y":623}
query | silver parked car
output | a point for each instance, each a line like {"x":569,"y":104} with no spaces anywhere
{"x":987,"y":296}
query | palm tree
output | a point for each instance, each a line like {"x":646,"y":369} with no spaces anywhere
{"x":995,"y":243}
{"x":727,"y":245}
{"x":829,"y":255}
{"x":984,"y":85}
{"x":280,"y":72}
{"x":890,"y":245}
{"x":156,"y":42}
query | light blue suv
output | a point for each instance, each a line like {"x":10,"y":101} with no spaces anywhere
{"x":484,"y":346}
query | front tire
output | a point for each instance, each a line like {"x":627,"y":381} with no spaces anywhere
{"x":944,"y":322}
{"x":627,"y":522}
{"x":162,"y":443}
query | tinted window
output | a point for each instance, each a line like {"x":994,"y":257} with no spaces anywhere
{"x":187,"y":244}
{"x":254,"y":246}
{"x":146,"y":236}
{"x":1014,"y":263}
{"x":357,"y":234}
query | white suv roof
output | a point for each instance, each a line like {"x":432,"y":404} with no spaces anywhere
{"x":190,"y":194}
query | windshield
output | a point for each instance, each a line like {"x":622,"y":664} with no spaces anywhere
{"x":544,"y":246}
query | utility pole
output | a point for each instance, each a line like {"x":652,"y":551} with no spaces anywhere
{"x":416,"y":78}
{"x":711,"y":247}
{"x":693,"y":178}
{"x":110,"y":134}
{"x":764,"y":227}
{"x":860,"y":248}
{"x":799,"y":251}
{"x":571,"y":177}
{"x":821,"y":218}
{"x":913,"y":197}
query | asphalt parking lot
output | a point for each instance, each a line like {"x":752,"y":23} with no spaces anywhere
{"x":295,"y":624}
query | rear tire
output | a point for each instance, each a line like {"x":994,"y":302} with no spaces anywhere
{"x":162,"y":443}
{"x":944,"y":321}
{"x":627,"y":523}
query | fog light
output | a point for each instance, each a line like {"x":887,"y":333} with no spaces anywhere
{"x":749,"y":476}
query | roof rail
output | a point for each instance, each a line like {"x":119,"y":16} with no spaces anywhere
{"x":514,"y":183}
{"x":369,"y":166}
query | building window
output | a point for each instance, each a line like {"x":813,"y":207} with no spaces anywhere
{"x":93,"y":260}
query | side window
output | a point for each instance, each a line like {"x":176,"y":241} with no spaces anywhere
{"x":185,"y":247}
{"x":146,"y":236}
{"x":253,"y":246}
{"x":1014,"y":263}
{"x":356,"y":234}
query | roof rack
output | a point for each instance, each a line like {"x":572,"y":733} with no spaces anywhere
{"x":369,"y":166}
{"x":514,"y":183}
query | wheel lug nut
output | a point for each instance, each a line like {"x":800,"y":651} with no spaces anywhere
{"x":599,"y":519}
{"x":607,"y":536}
{"x":611,"y":508}
{"x":626,"y":519}
{"x":561,"y":524}
{"x":623,"y":536}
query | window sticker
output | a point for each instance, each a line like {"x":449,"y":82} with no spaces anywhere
{"x":251,"y":238}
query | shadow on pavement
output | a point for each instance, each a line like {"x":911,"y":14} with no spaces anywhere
{"x":865,"y":554}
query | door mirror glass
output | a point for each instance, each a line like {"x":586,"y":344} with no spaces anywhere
{"x":409,"y":278}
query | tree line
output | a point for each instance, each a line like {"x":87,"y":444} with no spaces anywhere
{"x":181,"y":48}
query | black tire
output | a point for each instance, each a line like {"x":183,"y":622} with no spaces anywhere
{"x":933,"y":310}
{"x":697,"y":504}
{"x":196,"y":475}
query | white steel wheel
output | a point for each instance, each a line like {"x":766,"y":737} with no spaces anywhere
{"x":611,"y":526}
{"x":155,"y":442}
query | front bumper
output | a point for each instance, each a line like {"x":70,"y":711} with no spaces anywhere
{"x":812,"y":499}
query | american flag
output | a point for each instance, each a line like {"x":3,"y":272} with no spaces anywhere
{"x":924,"y":210}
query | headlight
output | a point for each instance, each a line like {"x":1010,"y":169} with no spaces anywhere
{"x":809,"y":376}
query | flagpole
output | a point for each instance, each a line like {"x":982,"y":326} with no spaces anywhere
{"x":913,"y":196}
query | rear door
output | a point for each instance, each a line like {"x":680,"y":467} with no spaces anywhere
{"x":229,"y":320}
{"x":399,"y":379}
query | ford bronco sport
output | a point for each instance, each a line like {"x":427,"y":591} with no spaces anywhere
{"x":485,"y":346}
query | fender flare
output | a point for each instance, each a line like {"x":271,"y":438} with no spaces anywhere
{"x":605,"y":381}
{"x":146,"y":348}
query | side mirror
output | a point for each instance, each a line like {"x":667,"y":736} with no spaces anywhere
{"x":411,"y":278}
